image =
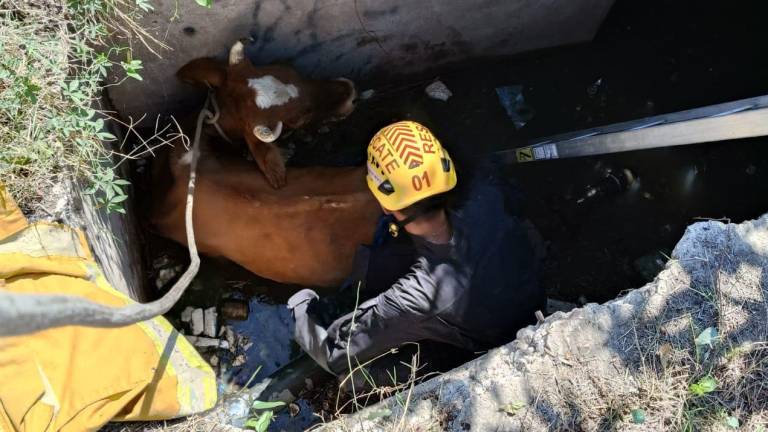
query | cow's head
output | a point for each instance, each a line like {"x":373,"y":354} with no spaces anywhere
{"x":262,"y":101}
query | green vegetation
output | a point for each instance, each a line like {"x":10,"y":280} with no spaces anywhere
{"x":260,"y":422}
{"x":56,"y":57}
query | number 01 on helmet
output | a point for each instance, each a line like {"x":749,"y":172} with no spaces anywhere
{"x":407,"y":164}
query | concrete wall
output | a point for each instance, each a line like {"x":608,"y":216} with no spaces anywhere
{"x":114,"y":237}
{"x":354,"y":38}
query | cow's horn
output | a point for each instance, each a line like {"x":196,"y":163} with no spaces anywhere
{"x":266,"y":134}
{"x":236,"y":53}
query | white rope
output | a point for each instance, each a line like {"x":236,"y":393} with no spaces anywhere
{"x":27,"y":313}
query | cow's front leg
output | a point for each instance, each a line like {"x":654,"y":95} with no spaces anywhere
{"x":269,"y":159}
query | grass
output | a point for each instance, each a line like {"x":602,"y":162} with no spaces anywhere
{"x":56,"y":56}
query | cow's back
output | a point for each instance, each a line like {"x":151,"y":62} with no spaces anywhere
{"x":305,"y":233}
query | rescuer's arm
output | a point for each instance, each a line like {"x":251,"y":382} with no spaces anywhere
{"x":375,"y":326}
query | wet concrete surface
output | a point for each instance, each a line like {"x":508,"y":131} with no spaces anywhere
{"x":649,"y":58}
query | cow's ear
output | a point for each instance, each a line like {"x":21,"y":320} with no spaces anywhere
{"x":203,"y":71}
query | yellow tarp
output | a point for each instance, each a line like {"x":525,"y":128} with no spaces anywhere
{"x":78,"y":378}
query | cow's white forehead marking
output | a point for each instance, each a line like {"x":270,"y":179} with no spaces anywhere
{"x":270,"y":91}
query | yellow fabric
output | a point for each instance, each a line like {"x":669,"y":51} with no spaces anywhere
{"x":407,"y":163}
{"x":77,"y":378}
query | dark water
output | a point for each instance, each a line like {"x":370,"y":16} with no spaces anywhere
{"x":649,"y":58}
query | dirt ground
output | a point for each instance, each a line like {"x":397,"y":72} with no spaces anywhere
{"x":649,"y":58}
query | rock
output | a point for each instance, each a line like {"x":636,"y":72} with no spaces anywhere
{"x":206,"y":342}
{"x":186,"y":314}
{"x":438,"y":90}
{"x":210,"y":318}
{"x":197,"y":326}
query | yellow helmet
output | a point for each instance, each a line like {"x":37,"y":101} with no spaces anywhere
{"x":407,"y":164}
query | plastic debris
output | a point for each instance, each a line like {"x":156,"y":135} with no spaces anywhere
{"x":323,"y":130}
{"x":206,"y":342}
{"x":438,"y":90}
{"x":210,"y":318}
{"x":197,"y":325}
{"x":511,"y":98}
{"x":214,"y":360}
{"x":367,"y":94}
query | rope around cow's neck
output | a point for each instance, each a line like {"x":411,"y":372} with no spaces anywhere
{"x":26,"y":313}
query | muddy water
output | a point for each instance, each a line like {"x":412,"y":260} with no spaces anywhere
{"x":649,"y":58}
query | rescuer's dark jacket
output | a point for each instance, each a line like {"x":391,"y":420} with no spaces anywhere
{"x":474,"y":292}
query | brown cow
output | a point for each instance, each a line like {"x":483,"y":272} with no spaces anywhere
{"x":305,"y":233}
{"x":258,"y":102}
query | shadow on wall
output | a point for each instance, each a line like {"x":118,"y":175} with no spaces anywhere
{"x":629,"y":364}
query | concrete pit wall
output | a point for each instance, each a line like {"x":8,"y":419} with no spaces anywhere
{"x":359,"y":39}
{"x":112,"y":237}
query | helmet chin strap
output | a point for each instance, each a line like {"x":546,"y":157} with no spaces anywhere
{"x":396,"y":226}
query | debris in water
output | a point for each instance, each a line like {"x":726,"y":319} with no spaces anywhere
{"x":511,"y":98}
{"x":323,"y":130}
{"x":612,"y":183}
{"x":751,"y":169}
{"x":197,"y":326}
{"x":239,"y":360}
{"x":228,"y":334}
{"x":167,"y":274}
{"x":206,"y":342}
{"x":438,"y":90}
{"x":210,"y":322}
{"x":367,"y":94}
{"x":594,"y":88}
{"x":160,"y":262}
{"x":235,"y":310}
